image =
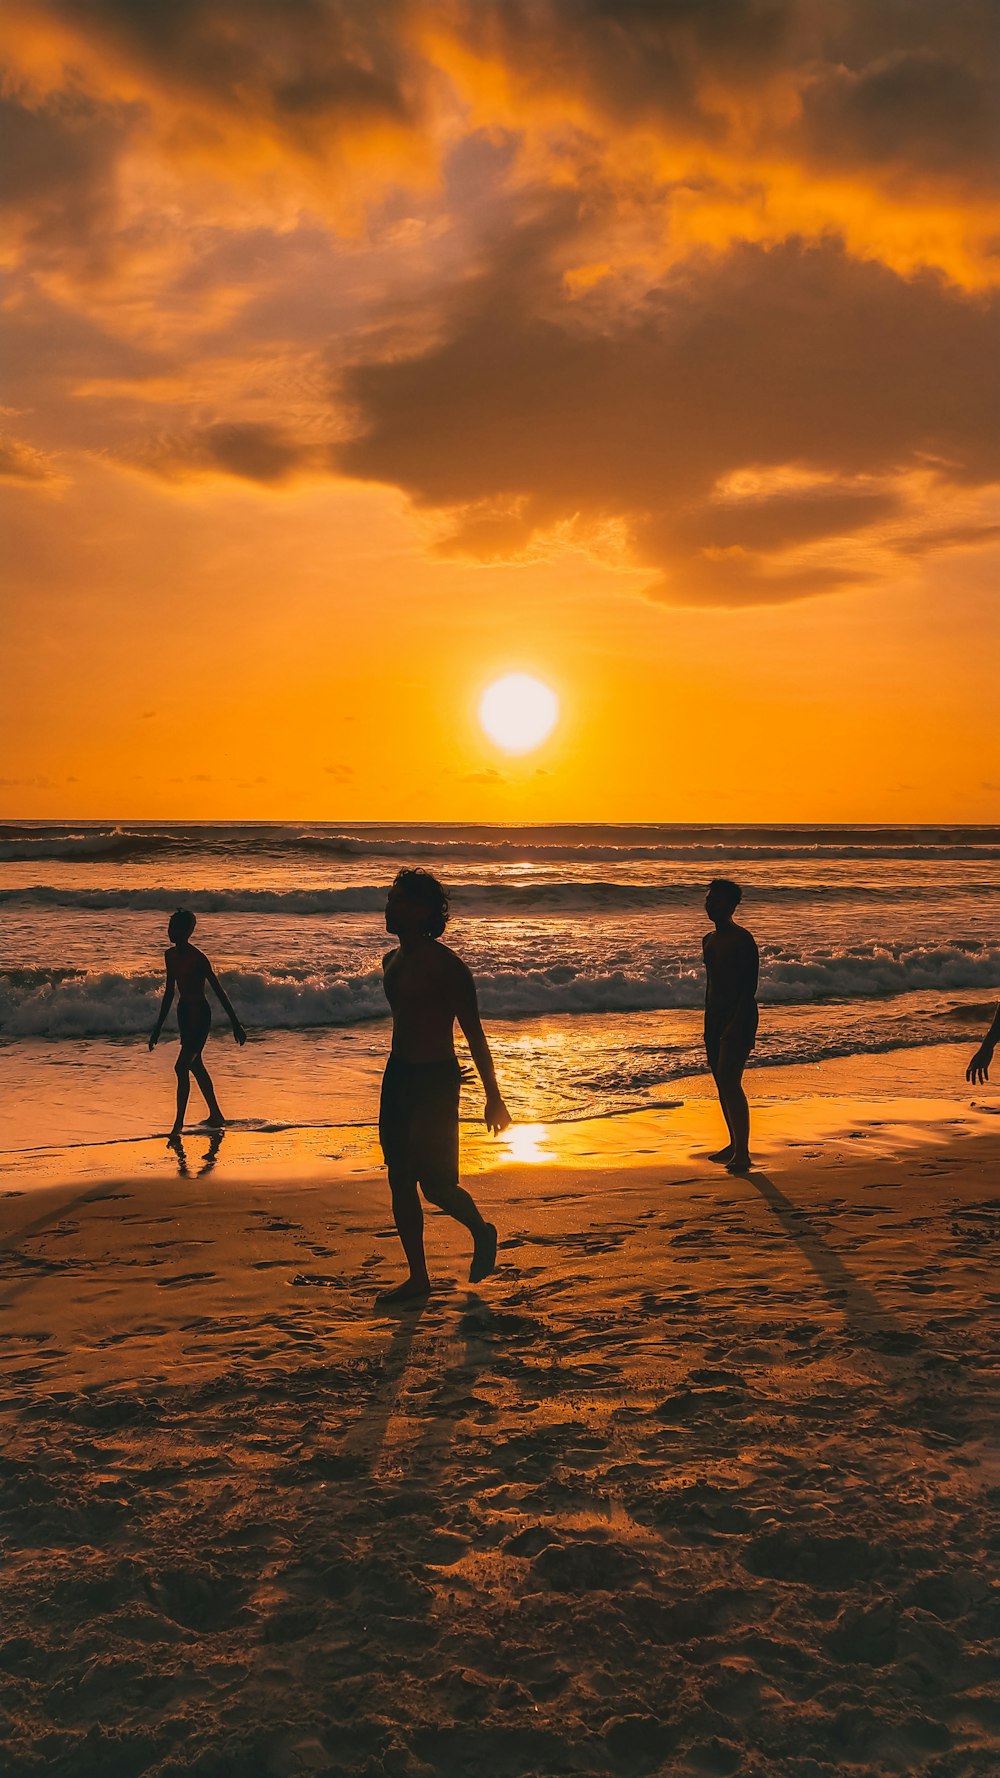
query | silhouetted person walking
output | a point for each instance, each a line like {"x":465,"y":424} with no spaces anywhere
{"x":188,"y":970}
{"x":732,"y":966}
{"x":428,"y":988}
{"x":979,"y":1068}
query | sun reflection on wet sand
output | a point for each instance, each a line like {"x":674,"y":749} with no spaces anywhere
{"x":529,"y":1144}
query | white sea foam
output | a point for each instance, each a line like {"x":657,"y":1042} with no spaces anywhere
{"x":55,"y":1003}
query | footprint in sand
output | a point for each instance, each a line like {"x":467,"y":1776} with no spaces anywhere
{"x":183,"y":1278}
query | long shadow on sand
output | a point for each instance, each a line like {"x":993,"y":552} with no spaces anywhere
{"x":366,"y":1438}
{"x":882,"y":1331}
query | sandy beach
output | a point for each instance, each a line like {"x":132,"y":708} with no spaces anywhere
{"x":699,"y":1481}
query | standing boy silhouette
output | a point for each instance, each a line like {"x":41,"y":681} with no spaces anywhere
{"x":732,"y":965}
{"x":428,"y":988}
{"x":188,"y":970}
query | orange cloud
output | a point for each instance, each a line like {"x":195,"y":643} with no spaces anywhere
{"x":745,"y":423}
{"x":561,"y":271}
{"x":20,"y":462}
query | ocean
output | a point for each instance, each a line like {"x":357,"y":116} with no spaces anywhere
{"x":585,"y":942}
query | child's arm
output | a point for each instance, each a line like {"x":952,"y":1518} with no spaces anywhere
{"x":496,"y":1117}
{"x":211,"y":977}
{"x":165,"y":1004}
{"x":979,"y":1068}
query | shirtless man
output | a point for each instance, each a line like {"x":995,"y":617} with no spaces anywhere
{"x":428,"y":988}
{"x":732,"y":965}
{"x":188,"y":970}
{"x":978,"y":1070}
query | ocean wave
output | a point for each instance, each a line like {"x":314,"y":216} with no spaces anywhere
{"x":363,"y":899}
{"x":116,"y":845}
{"x":64,"y":1003}
{"x":20,"y":843}
{"x":665,"y":851}
{"x":502,"y":899}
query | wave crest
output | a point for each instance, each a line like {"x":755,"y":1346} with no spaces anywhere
{"x":62,"y":1003}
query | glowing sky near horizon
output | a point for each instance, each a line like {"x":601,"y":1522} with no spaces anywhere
{"x":362,"y":353}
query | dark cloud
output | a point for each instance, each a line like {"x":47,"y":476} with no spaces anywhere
{"x":524,"y":401}
{"x":636,"y":60}
{"x":797,"y":358}
{"x":885,"y":84}
{"x":248,"y":450}
{"x":20,"y":462}
{"x":914,"y":109}
{"x":781,"y":520}
{"x":300,"y":63}
{"x":60,"y":162}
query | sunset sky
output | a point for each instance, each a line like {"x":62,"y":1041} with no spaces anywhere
{"x":359,"y":352}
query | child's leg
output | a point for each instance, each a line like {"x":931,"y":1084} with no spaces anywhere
{"x":724,"y":1154}
{"x":736,"y":1109}
{"x":204,"y":1080}
{"x":182,"y":1071}
{"x":455,"y":1201}
{"x":409,"y":1219}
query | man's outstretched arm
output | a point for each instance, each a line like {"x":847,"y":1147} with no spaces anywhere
{"x":496,"y":1117}
{"x":979,"y":1068}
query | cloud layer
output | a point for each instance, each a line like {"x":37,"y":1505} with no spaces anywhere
{"x":709,"y":288}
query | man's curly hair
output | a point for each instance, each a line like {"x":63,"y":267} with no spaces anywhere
{"x":422,"y":887}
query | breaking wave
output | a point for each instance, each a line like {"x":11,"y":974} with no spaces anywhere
{"x":64,"y":1003}
{"x":577,"y":845}
{"x":502,"y":899}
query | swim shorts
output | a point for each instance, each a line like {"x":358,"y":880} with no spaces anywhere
{"x":729,"y":1040}
{"x":194,"y":1021}
{"x":418,"y":1120}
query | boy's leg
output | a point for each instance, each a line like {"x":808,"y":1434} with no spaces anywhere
{"x":455,"y":1201}
{"x":736,"y":1109}
{"x":409,"y":1219}
{"x":724,"y":1155}
{"x":204,"y":1080}
{"x":182,"y":1071}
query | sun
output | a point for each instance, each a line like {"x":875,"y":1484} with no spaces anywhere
{"x":518,"y":712}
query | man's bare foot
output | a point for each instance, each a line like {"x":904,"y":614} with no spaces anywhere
{"x":214,"y":1121}
{"x":740,"y":1163}
{"x":484,"y":1253}
{"x":176,"y":1133}
{"x":722,"y":1156}
{"x":414,"y":1290}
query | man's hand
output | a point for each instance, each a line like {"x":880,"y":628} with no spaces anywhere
{"x":496,"y":1117}
{"x":979,"y":1068}
{"x":238,"y":1032}
{"x":154,"y":1038}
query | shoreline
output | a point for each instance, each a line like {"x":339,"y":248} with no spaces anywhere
{"x":891,"y":1099}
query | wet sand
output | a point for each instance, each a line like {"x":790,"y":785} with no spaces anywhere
{"x":700,"y":1481}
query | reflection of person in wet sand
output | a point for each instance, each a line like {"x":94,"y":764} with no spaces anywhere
{"x":428,"y":988}
{"x":979,"y":1068}
{"x":188,"y":970}
{"x":732,"y":965}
